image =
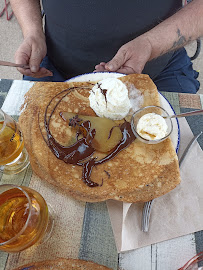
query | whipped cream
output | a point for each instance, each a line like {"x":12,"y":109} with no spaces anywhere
{"x":109,"y":98}
{"x":152,"y":126}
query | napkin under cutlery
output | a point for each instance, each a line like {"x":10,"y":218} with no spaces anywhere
{"x":175,"y":214}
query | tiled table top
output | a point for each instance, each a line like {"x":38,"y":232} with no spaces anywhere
{"x":89,"y":235}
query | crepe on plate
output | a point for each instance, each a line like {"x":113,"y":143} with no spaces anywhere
{"x":138,"y":173}
{"x":61,"y":263}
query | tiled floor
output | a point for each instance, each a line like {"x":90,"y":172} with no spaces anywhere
{"x":11,"y":37}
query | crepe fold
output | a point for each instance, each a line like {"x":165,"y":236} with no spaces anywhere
{"x":138,"y":173}
{"x":62,"y":263}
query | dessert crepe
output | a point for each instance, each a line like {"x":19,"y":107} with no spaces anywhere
{"x":140,"y":172}
{"x":68,"y":264}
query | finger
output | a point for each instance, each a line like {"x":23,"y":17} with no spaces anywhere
{"x":35,"y":59}
{"x":21,"y":58}
{"x":103,"y":63}
{"x":100,"y":64}
{"x":42,"y":72}
{"x":126,"y":70}
{"x":100,"y":68}
{"x":117,"y":62}
{"x":41,"y":75}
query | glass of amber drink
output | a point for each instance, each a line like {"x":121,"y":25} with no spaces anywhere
{"x":13,"y":155}
{"x":24,"y":218}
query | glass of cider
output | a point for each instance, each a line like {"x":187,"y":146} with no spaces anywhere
{"x":24,"y":218}
{"x":13,"y":155}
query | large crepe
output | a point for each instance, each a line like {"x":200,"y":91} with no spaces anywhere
{"x":66,"y":264}
{"x":139,"y":173}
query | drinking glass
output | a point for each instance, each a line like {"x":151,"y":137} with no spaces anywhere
{"x":24,"y":218}
{"x":13,"y":155}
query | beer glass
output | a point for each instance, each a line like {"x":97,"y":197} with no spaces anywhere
{"x":13,"y":155}
{"x":24,"y":218}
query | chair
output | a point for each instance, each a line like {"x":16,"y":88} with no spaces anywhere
{"x":198,"y":49}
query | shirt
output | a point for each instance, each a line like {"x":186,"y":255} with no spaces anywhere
{"x":81,"y":34}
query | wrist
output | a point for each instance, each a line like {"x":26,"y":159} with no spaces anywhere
{"x":155,"y":44}
{"x":34,"y":32}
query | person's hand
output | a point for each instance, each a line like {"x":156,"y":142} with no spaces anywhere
{"x":130,"y":58}
{"x":100,"y":67}
{"x":31,"y":52}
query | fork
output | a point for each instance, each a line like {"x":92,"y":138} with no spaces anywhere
{"x":148,"y":205}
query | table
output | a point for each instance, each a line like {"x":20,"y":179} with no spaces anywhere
{"x":83,"y":230}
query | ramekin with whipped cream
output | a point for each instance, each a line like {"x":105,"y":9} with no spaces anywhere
{"x":151,"y":124}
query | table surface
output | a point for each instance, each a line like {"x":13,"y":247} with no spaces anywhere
{"x":83,"y":230}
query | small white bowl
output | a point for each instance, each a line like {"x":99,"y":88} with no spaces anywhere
{"x":151,"y":109}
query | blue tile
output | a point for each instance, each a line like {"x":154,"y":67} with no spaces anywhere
{"x":5,"y":85}
{"x":97,"y":241}
{"x":195,"y":123}
{"x":199,"y":243}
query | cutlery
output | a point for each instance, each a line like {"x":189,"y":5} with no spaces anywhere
{"x":184,"y":114}
{"x":148,"y":205}
{"x":10,"y":64}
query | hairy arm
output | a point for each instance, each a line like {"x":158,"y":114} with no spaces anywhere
{"x":184,"y":26}
{"x":33,"y":49}
{"x":178,"y":30}
{"x":28,"y":14}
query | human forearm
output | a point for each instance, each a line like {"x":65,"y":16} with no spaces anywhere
{"x":33,"y":48}
{"x":28,"y":14}
{"x":175,"y":32}
{"x":184,"y":26}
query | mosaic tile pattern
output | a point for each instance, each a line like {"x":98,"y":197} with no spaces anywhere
{"x":190,"y":101}
{"x":97,"y":242}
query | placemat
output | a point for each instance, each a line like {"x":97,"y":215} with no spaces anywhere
{"x":82,"y":230}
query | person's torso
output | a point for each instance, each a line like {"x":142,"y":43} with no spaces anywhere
{"x":81,"y":34}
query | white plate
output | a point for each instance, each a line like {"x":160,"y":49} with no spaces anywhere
{"x":175,"y":135}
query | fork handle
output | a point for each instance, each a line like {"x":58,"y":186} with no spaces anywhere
{"x":146,"y":215}
{"x":10,"y":64}
{"x":187,"y":114}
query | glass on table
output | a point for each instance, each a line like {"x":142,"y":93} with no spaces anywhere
{"x":24,"y":218}
{"x":13,"y":155}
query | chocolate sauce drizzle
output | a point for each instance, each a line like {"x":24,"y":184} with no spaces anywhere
{"x":103,"y":91}
{"x":80,"y":153}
